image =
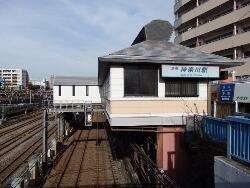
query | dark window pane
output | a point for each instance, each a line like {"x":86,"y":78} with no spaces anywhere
{"x":60,"y":90}
{"x":181,"y":88}
{"x":73,"y":90}
{"x":141,"y":81}
{"x":87,"y":90}
{"x":132,"y":81}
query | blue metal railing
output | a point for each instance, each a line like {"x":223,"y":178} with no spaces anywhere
{"x":215,"y":128}
{"x":238,"y":143}
{"x":234,"y":130}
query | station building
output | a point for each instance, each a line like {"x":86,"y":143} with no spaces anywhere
{"x":155,"y":85}
{"x":156,"y":82}
{"x":152,"y":86}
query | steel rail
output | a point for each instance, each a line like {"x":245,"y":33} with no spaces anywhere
{"x":13,"y":120}
{"x":20,"y":126}
{"x":18,"y":161}
{"x":15,"y":138}
{"x":34,"y":129}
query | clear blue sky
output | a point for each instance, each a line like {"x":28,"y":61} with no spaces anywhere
{"x":65,"y":37}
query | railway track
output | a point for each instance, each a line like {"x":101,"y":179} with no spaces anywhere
{"x":19,"y":125}
{"x":12,"y":142}
{"x":16,"y":119}
{"x":12,"y":138}
{"x":7,"y":169}
{"x":87,"y":161}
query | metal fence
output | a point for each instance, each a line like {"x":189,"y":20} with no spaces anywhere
{"x":234,"y":131}
{"x":215,"y":128}
{"x":238,"y":143}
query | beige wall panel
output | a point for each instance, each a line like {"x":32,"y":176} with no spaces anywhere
{"x":151,"y":107}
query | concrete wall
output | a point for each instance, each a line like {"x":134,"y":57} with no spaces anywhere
{"x":80,"y":94}
{"x":180,"y":3}
{"x":209,"y":5}
{"x":227,"y":43}
{"x":230,"y":174}
{"x":171,"y":154}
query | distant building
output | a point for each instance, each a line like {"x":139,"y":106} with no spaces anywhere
{"x":42,"y":83}
{"x":219,"y":27}
{"x":77,"y":90}
{"x":14,"y":78}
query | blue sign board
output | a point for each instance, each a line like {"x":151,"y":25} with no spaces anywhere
{"x":1,"y":81}
{"x":227,"y":92}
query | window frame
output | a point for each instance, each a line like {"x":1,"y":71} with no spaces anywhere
{"x":182,"y":91}
{"x":150,"y":67}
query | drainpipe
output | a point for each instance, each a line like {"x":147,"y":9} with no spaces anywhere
{"x":236,"y":106}
{"x":215,"y":108}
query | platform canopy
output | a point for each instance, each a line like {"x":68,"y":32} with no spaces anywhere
{"x":75,"y":80}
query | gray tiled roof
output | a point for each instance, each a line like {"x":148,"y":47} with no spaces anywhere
{"x":74,"y":80}
{"x":155,"y":51}
{"x":162,"y":52}
{"x":155,"y":30}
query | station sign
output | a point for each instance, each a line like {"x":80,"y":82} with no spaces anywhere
{"x":182,"y":71}
{"x":242,"y":92}
{"x":227,"y":92}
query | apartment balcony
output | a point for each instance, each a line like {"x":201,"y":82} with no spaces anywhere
{"x":227,"y":43}
{"x":197,"y":11}
{"x":180,"y":3}
{"x":217,"y":23}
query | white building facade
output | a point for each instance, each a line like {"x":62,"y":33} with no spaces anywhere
{"x":14,"y":78}
{"x":76,"y":90}
{"x":157,"y":83}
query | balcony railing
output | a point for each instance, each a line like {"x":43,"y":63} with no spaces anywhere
{"x":225,"y":19}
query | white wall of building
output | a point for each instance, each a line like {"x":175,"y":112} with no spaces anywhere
{"x":114,"y":84}
{"x":113,"y":92}
{"x":80,"y":94}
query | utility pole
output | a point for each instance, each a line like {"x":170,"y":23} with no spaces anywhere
{"x":45,"y":137}
{"x":30,"y":97}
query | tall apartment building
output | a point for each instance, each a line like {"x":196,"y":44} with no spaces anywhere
{"x":14,"y":78}
{"x":221,"y":27}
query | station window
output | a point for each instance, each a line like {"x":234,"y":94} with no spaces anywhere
{"x":73,"y":90}
{"x":181,"y":88}
{"x":140,"y":81}
{"x":60,"y":90}
{"x":87,"y":90}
